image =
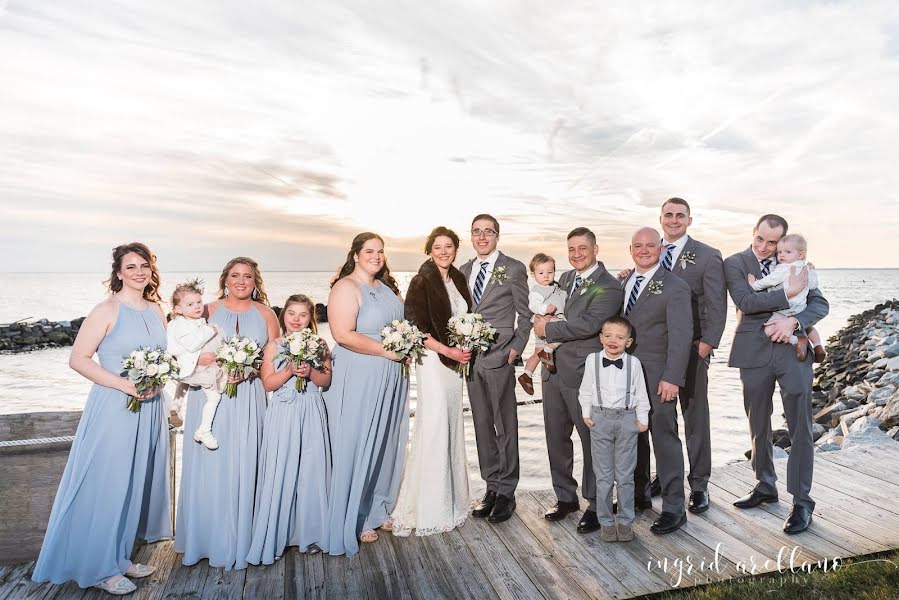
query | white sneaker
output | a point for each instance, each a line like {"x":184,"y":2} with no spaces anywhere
{"x":207,"y":439}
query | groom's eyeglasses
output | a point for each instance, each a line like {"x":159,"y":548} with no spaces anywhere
{"x":483,"y":232}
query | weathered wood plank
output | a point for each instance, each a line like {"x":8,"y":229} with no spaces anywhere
{"x":603,"y":570}
{"x":426,"y":577}
{"x":26,"y":426}
{"x":382,"y":567}
{"x":509,"y":580}
{"x":19,"y":585}
{"x":314,"y":576}
{"x":544,"y":571}
{"x":874,"y":482}
{"x":847,"y":539}
{"x":265,"y":581}
{"x":463,"y":572}
{"x":344,"y":577}
{"x":162,"y":556}
{"x":186,"y":581}
{"x":225,"y":585}
{"x":879,"y":464}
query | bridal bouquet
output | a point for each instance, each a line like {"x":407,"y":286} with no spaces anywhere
{"x":148,"y":369}
{"x":470,"y":332}
{"x":303,"y":347}
{"x":238,"y":356}
{"x":405,"y":339}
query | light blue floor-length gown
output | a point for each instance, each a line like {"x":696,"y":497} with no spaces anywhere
{"x":294,"y":473}
{"x":369,"y":424}
{"x":218,"y":487}
{"x":115,"y":485}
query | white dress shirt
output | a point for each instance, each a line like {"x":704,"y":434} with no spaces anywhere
{"x":613,"y":385}
{"x":631,"y":280}
{"x":678,"y":248}
{"x":476,"y":268}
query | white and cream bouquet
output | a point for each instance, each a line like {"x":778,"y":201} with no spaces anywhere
{"x":148,"y":369}
{"x":470,"y":332}
{"x":238,"y":356}
{"x":303,"y":347}
{"x":406,"y":340}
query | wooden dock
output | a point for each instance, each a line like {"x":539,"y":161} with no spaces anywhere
{"x":527,"y":557}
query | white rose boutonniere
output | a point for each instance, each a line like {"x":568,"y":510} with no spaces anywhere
{"x":686,"y":258}
{"x":655,"y":287}
{"x":584,"y":285}
{"x":499,"y":275}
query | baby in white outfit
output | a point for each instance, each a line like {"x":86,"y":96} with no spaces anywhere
{"x":791,"y":252}
{"x":545,"y":298}
{"x":188,"y":336}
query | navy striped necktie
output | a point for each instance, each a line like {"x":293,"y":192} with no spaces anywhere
{"x":766,"y":266}
{"x":635,"y":292}
{"x":479,"y":284}
{"x":669,"y":254}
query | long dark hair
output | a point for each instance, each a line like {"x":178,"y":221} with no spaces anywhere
{"x":151,"y":292}
{"x":261,"y":296}
{"x":299,"y":299}
{"x":350,"y":265}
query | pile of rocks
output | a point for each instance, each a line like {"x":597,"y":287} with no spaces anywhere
{"x":35,"y":335}
{"x":855,"y":391}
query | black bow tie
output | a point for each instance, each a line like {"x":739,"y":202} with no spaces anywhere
{"x":617,"y":362}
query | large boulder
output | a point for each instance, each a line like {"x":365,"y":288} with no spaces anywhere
{"x":869,"y":436}
{"x":881,"y":396}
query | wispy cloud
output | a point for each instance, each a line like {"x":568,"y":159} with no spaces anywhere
{"x":211,"y":129}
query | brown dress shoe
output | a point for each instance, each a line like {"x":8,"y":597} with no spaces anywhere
{"x":527,"y":383}
{"x":801,"y":347}
{"x":547,"y":359}
{"x":819,"y":354}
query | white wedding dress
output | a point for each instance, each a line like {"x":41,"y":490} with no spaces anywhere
{"x":435,"y":493}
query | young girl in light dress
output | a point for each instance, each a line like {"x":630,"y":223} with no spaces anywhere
{"x":295,"y":460}
{"x":189,"y":335}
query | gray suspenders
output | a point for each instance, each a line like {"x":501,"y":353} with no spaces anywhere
{"x":627,"y":370}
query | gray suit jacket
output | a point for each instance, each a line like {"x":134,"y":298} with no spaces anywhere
{"x":585,"y":314}
{"x":663,"y":325}
{"x":505,"y":306}
{"x":751,"y":347}
{"x":705,"y":276}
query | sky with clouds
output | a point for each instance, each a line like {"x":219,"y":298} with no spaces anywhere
{"x":280,"y":129}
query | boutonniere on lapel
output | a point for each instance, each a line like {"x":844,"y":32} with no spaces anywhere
{"x":655,"y":287}
{"x":499,"y":275}
{"x":584,"y":285}
{"x":686,"y":258}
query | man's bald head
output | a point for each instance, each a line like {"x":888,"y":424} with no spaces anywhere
{"x":646,"y":246}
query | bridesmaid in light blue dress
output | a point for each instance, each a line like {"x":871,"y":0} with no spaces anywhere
{"x":115,"y":485}
{"x":367,"y":413}
{"x":214,"y":519}
{"x":295,"y":462}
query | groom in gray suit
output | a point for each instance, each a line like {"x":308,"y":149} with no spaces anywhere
{"x":499,"y":291}
{"x":593,"y":296}
{"x":702,"y":268}
{"x":657,"y":303}
{"x":763,"y":362}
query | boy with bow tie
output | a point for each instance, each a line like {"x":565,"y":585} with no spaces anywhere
{"x":615,"y":407}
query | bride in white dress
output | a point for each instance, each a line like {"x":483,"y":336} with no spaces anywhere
{"x":435,"y":495}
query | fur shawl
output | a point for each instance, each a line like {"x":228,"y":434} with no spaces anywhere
{"x":428,"y":303}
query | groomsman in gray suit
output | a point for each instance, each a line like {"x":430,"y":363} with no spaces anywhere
{"x":702,"y":268}
{"x":593,"y":296}
{"x":763,"y":361}
{"x":499,"y":291}
{"x":658,"y":305}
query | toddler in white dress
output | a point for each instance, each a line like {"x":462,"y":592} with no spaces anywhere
{"x":791,"y":252}
{"x":545,"y":298}
{"x":189,"y":335}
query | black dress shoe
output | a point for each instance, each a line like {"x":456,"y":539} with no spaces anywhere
{"x":655,"y":487}
{"x":668,"y":522}
{"x":699,"y":502}
{"x":560,"y":510}
{"x":588,"y":522}
{"x":799,"y":520}
{"x":485,"y":507}
{"x":754,"y":499}
{"x":502,"y":510}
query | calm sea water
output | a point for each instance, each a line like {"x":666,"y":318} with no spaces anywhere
{"x":42,"y":381}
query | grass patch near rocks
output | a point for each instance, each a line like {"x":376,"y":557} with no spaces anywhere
{"x":872,"y":577}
